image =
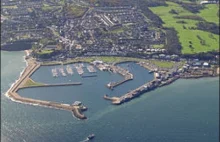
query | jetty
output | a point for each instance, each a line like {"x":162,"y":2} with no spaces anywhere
{"x":91,"y":69}
{"x":79,"y":69}
{"x":125,"y":73}
{"x":53,"y":85}
{"x":62,"y":72}
{"x":69,"y":70}
{"x":133,"y":94}
{"x":25,"y":76}
{"x":161,"y":78}
{"x":89,"y":75}
{"x":54,"y":72}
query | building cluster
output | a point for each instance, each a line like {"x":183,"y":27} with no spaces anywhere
{"x":28,"y":20}
{"x":109,"y":31}
{"x":191,"y":69}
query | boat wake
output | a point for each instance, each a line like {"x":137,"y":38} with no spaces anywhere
{"x":86,"y":140}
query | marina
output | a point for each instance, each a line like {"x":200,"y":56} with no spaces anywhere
{"x":91,"y":69}
{"x":79,"y":69}
{"x":69,"y":70}
{"x":61,"y":70}
{"x":142,"y":110}
{"x":25,"y":76}
{"x":161,"y":78}
{"x":54,"y":72}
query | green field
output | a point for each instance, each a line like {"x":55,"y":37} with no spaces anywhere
{"x":106,"y":59}
{"x":162,"y":64}
{"x":187,"y":37}
{"x":10,"y":7}
{"x":43,"y":52}
{"x":30,"y":83}
{"x":210,"y":13}
{"x":158,"y":46}
{"x":75,"y":10}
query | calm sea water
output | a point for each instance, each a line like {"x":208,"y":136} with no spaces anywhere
{"x":185,"y":111}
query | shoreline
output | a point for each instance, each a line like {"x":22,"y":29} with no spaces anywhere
{"x":32,"y":65}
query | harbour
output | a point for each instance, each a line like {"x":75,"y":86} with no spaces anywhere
{"x":161,"y":109}
{"x":29,"y":70}
{"x":161,"y":77}
{"x":69,"y":70}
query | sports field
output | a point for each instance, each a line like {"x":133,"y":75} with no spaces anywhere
{"x":184,"y":22}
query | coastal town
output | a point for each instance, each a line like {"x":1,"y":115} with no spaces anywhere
{"x":66,"y":32}
{"x":162,"y":76}
{"x":92,"y":31}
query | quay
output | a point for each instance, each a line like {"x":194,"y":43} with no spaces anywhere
{"x":162,"y":78}
{"x":125,"y":73}
{"x":133,"y":94}
{"x":25,"y":76}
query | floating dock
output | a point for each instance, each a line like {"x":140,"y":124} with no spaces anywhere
{"x":91,"y":69}
{"x":62,"y":72}
{"x":69,"y":70}
{"x":79,"y":69}
{"x":90,"y":75}
{"x":54,"y":72}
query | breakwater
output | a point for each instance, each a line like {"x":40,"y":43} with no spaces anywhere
{"x":53,"y":85}
{"x":29,"y":70}
{"x":149,"y":86}
{"x":125,"y":73}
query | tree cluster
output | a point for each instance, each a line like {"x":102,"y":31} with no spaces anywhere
{"x":209,"y":27}
{"x":172,"y":45}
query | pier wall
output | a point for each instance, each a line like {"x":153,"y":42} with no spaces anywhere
{"x":53,"y":85}
{"x":29,"y":70}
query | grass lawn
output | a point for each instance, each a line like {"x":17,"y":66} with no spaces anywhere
{"x":112,"y":59}
{"x":45,"y":52}
{"x":109,"y":59}
{"x":187,"y":35}
{"x":118,"y":30}
{"x":47,"y":7}
{"x":162,"y":64}
{"x":210,"y":13}
{"x":10,"y":7}
{"x":158,"y":46}
{"x":30,"y":83}
{"x":76,"y":11}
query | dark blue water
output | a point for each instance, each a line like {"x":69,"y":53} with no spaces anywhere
{"x":185,"y":111}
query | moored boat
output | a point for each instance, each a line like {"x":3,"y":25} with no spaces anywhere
{"x":91,"y":136}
